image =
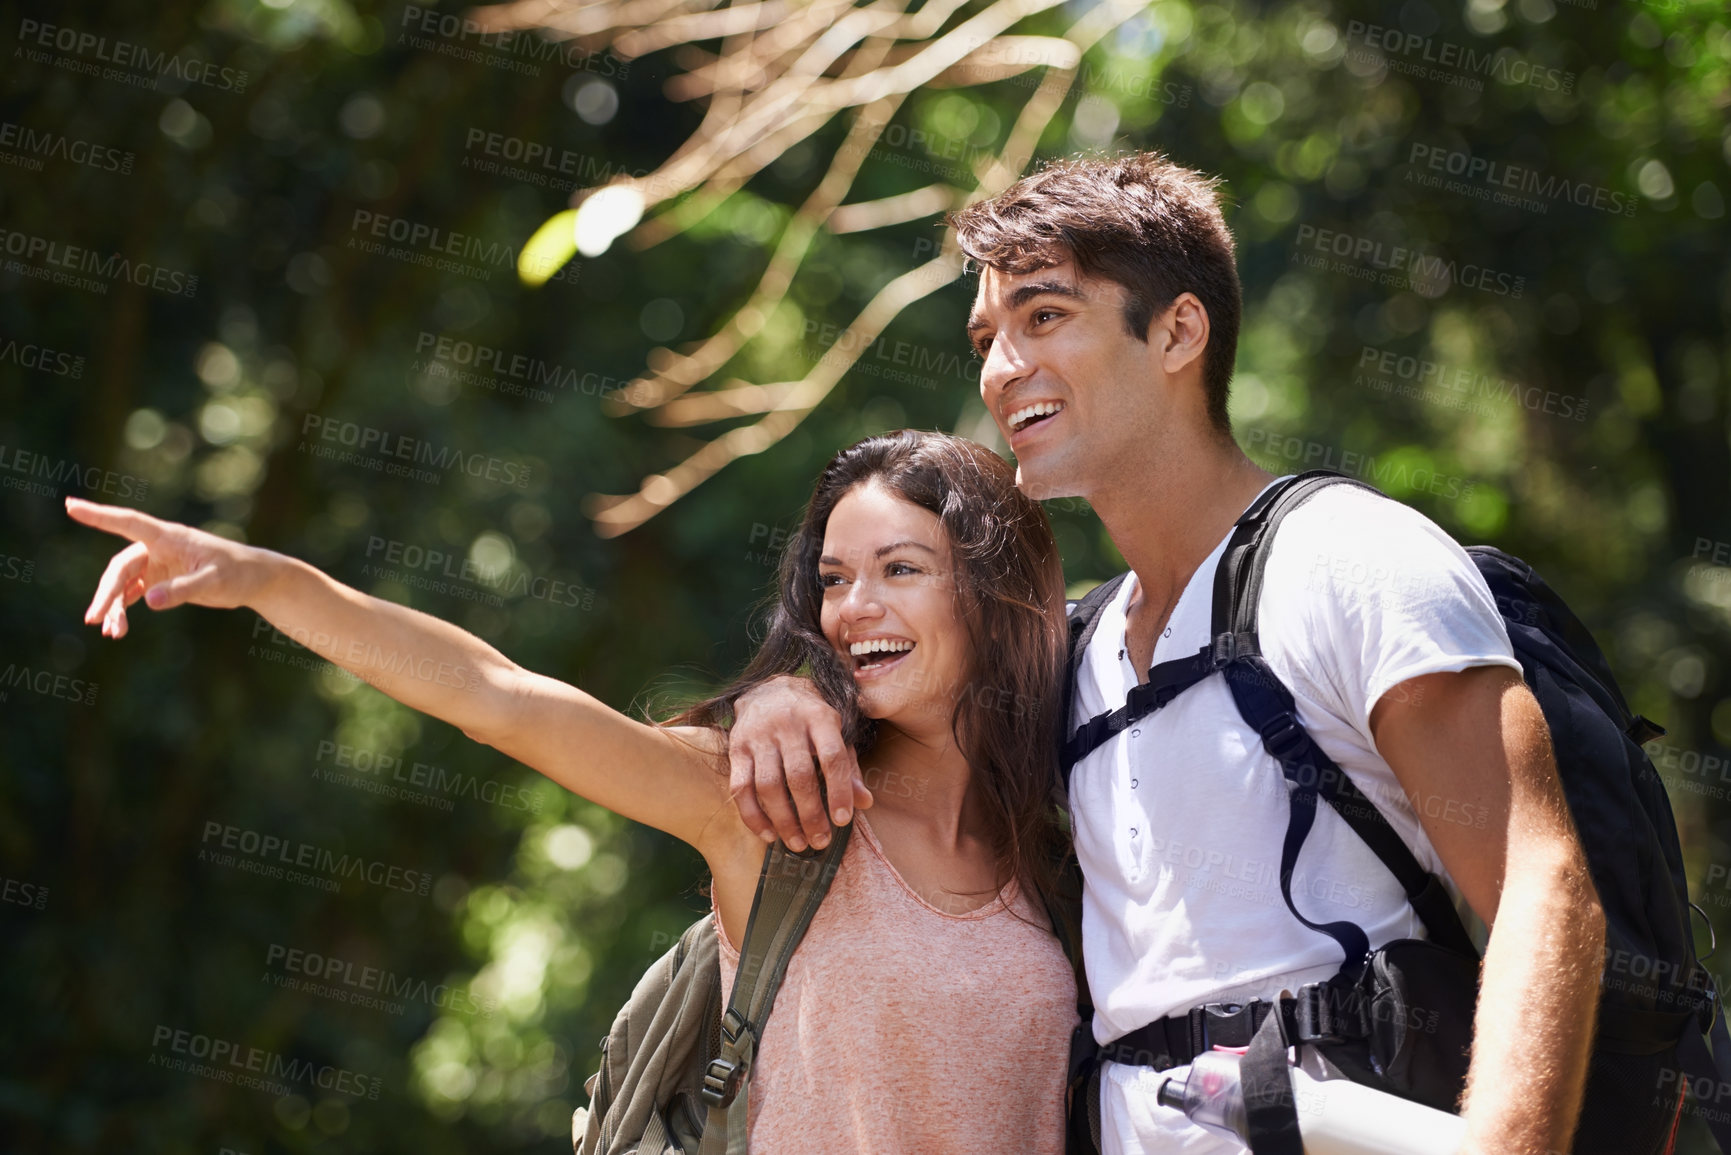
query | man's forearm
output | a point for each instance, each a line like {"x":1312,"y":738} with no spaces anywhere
{"x":1538,"y":1002}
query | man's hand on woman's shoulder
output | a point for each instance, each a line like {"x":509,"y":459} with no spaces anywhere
{"x":784,"y":735}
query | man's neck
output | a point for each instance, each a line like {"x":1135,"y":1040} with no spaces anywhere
{"x":1169,"y":517}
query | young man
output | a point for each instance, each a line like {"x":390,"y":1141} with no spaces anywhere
{"x":1107,"y":317}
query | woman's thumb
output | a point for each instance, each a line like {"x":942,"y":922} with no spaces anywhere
{"x":180,"y":590}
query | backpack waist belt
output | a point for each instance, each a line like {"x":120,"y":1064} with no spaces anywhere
{"x":1320,"y":1012}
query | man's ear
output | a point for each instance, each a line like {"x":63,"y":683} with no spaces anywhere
{"x":1182,"y":332}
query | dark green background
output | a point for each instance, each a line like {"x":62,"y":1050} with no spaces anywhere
{"x":197,"y":718}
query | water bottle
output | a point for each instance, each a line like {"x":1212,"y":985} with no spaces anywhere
{"x":1335,"y":1116}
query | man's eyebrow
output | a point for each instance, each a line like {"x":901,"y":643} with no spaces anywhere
{"x":826,"y":559}
{"x":1022,"y":294}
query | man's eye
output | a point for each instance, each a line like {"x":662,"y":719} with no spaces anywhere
{"x":1038,"y":313}
{"x":982,"y":348}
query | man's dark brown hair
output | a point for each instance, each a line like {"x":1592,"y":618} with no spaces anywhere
{"x":1152,"y":226}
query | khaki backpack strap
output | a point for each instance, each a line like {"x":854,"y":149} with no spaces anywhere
{"x":654,"y":1135}
{"x":788,"y":893}
{"x":737,"y":1121}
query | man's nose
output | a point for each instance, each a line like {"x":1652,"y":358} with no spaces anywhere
{"x":1005,"y":365}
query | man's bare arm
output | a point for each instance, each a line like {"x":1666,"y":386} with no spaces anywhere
{"x":1477,"y":738}
{"x":784,"y":734}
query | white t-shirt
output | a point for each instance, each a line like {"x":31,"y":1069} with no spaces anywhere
{"x":1179,"y":819}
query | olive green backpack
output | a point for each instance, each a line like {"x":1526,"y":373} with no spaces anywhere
{"x":675,"y":1069}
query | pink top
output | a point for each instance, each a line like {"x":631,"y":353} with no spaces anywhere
{"x":902,"y":1028}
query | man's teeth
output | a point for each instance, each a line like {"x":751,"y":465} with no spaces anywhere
{"x":879,"y":646}
{"x":1028,"y":412}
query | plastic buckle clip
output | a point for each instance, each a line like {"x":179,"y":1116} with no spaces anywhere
{"x":1226,"y":1024}
{"x":1329,"y":1012}
{"x":1313,"y":1011}
{"x":1284,"y":737}
{"x":720,"y":1082}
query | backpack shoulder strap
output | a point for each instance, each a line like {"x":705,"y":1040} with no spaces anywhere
{"x":1064,"y":908}
{"x":1268,"y":706}
{"x":1084,"y":618}
{"x":1238,"y":580}
{"x":1169,"y":679}
{"x":789,"y":890}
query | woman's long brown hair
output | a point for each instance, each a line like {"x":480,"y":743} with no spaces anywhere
{"x":1009,"y":588}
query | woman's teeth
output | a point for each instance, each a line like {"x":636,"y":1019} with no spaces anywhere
{"x":1028,"y":414}
{"x":873,"y":651}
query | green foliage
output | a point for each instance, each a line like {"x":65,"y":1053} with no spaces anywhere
{"x":1577,"y":416}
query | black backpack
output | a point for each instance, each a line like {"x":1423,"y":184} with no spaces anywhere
{"x":1657,"y":1004}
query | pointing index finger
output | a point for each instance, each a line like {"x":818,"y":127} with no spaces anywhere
{"x":127,"y":523}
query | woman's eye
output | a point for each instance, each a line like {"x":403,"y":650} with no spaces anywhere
{"x":829,"y":579}
{"x":899,"y":567}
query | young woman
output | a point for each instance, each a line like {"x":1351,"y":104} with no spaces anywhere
{"x":929,"y":1006}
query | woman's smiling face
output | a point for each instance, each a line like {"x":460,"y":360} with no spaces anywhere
{"x":889,"y":606}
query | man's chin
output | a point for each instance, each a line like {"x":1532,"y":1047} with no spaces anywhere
{"x":1042,"y":488}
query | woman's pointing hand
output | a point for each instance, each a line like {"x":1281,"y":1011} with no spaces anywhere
{"x":167,"y":564}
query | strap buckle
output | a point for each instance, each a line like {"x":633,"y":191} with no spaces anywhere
{"x":1224,"y":1024}
{"x":721,"y":1079}
{"x":1324,"y":1013}
{"x":1143,"y":699}
{"x":721,"y":1082}
{"x":1284,"y":737}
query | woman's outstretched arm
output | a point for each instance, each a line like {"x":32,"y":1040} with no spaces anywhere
{"x":671,"y":779}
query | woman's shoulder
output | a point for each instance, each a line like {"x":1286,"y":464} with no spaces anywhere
{"x":703,"y":742}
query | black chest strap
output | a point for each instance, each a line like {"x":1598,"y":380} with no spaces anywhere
{"x":1268,"y":707}
{"x":1165,"y":682}
{"x":1237,"y":588}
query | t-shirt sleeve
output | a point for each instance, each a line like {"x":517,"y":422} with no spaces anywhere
{"x":1362,"y":593}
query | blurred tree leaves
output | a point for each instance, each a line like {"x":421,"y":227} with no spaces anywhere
{"x":1589,"y":436}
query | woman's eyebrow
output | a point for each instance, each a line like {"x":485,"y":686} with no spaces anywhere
{"x":826,"y":559}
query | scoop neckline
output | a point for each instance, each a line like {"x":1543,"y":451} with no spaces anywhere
{"x":998,"y":903}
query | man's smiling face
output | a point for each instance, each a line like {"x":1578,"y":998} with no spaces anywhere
{"x":1075,"y":395}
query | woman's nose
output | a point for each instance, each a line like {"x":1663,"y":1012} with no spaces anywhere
{"x":861,"y":602}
